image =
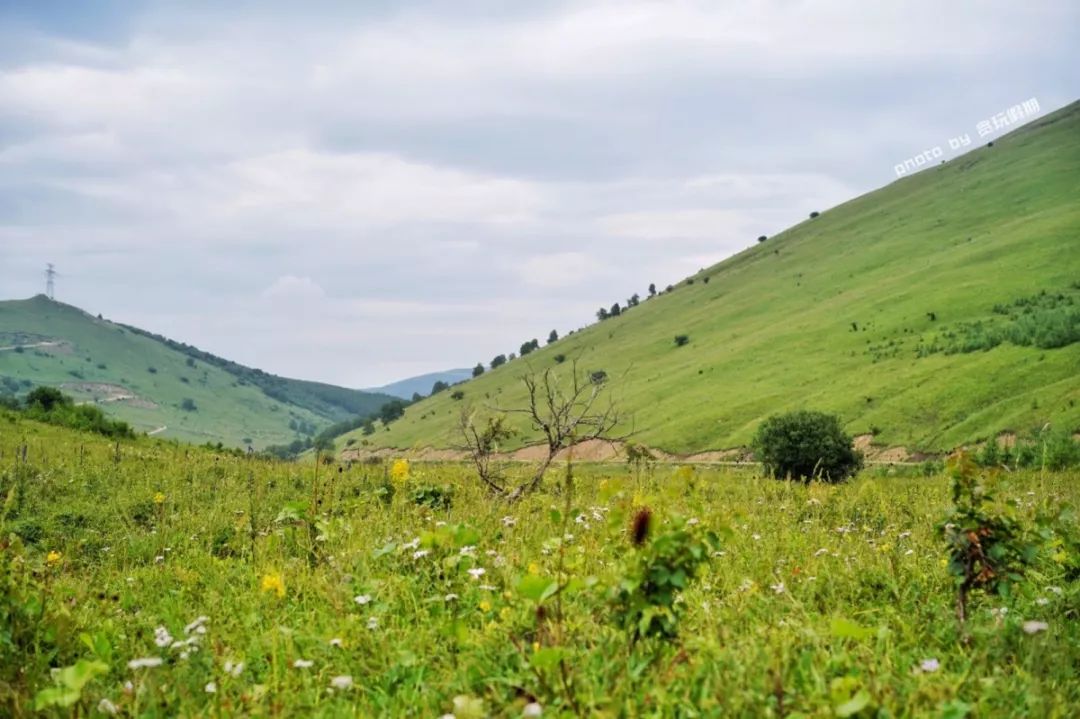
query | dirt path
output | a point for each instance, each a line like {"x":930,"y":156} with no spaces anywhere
{"x":30,"y":346}
{"x":162,"y":428}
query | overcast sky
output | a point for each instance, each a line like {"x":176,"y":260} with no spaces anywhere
{"x":356,"y":192}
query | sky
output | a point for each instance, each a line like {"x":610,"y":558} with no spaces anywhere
{"x":357,"y":192}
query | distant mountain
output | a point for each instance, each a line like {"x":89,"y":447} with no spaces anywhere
{"x":939,"y":310}
{"x":422,"y":383}
{"x":160,"y":385}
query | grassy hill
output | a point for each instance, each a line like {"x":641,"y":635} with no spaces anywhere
{"x":146,"y":379}
{"x":917,"y":312}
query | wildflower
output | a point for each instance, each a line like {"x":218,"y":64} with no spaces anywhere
{"x":233,"y":669}
{"x":362,"y":599}
{"x":412,"y":544}
{"x":53,"y":558}
{"x":1054,"y":590}
{"x":373,"y":623}
{"x":821,"y":551}
{"x":532,"y":709}
{"x":159,"y":498}
{"x":159,"y":559}
{"x":342,"y":682}
{"x":273,"y":583}
{"x":693,"y":521}
{"x":488,"y":587}
{"x":929,"y":665}
{"x":420,"y":553}
{"x":336,"y":642}
{"x":756,"y":537}
{"x":477,"y":572}
{"x":1034,"y":627}
{"x":210,"y":688}
{"x":534,"y":568}
{"x":1042,"y":601}
{"x":903,"y":535}
{"x":779,"y":587}
{"x":581,"y":519}
{"x":909,"y":552}
{"x":399,"y":471}
{"x":106,"y":707}
{"x":450,"y":597}
{"x":197,"y":625}
{"x":468,"y":551}
{"x":303,"y":664}
{"x":813,"y":500}
{"x":508,"y":521}
{"x":485,"y":605}
{"x":162,"y":637}
{"x":145,"y":662}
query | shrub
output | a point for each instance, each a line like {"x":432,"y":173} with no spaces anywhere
{"x":47,"y":398}
{"x":762,"y":238}
{"x":560,"y":358}
{"x":457,"y":394}
{"x":188,"y":405}
{"x":681,"y":340}
{"x":478,"y":369}
{"x":814,"y":214}
{"x":805,"y":445}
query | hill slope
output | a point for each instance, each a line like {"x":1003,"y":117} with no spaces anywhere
{"x":422,"y":384}
{"x":145,"y":379}
{"x":905,"y":310}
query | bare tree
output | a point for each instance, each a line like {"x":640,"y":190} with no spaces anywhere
{"x":482,"y":444}
{"x":565,"y":414}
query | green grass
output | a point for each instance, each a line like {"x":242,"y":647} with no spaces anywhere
{"x":772,"y":328}
{"x":820,"y":600}
{"x":232,"y":402}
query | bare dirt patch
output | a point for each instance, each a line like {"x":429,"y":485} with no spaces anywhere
{"x":103,"y":392}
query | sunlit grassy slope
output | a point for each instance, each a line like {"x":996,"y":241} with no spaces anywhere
{"x":772,"y":328}
{"x":229,"y":404}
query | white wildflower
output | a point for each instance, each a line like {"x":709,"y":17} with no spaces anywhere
{"x":929,"y":665}
{"x":362,"y":599}
{"x":420,"y":553}
{"x":756,"y":537}
{"x":467,"y":551}
{"x":821,"y":551}
{"x":779,"y":587}
{"x":1034,"y":627}
{"x":450,"y":597}
{"x":532,"y":709}
{"x":303,"y":664}
{"x":413,"y":544}
{"x":233,"y":669}
{"x":508,"y":521}
{"x":197,"y":625}
{"x":145,"y":662}
{"x":342,"y":682}
{"x":162,"y":637}
{"x":373,"y":623}
{"x":336,"y":642}
{"x":477,"y":572}
{"x":1042,"y":601}
{"x":210,"y":688}
{"x":106,"y":707}
{"x":1054,"y":590}
{"x":903,"y":535}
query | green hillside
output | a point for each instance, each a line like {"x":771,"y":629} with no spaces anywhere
{"x":145,"y":379}
{"x":940,"y":309}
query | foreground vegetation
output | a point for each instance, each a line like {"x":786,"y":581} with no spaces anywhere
{"x":171,"y":581}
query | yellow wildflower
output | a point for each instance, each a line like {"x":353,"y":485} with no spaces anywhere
{"x":399,"y":471}
{"x":534,"y":568}
{"x":485,"y":606}
{"x":504,"y":613}
{"x":53,"y":558}
{"x":273,"y":583}
{"x":159,"y":498}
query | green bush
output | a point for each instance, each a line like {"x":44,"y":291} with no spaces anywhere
{"x":806,"y":445}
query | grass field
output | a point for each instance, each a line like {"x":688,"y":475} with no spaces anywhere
{"x":144,"y":381}
{"x":266,"y":589}
{"x":839,"y":313}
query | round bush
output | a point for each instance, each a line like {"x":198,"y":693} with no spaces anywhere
{"x":806,"y":445}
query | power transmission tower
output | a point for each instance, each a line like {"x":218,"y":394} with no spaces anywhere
{"x":50,"y":275}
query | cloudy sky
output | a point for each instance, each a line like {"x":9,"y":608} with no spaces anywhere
{"x":360,"y":191}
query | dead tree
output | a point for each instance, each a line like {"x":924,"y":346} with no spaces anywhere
{"x":482,"y":446}
{"x":565,"y":415}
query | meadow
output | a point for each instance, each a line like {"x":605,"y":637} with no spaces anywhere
{"x":147,"y":578}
